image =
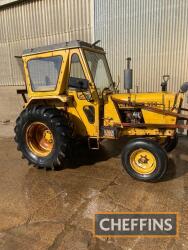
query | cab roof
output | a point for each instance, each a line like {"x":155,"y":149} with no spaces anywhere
{"x":60,"y":46}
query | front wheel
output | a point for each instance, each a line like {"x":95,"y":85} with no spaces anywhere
{"x":144,"y":159}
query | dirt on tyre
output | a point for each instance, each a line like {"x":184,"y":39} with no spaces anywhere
{"x":144,"y":159}
{"x":43,"y":135}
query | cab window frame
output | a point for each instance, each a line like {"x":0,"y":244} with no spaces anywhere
{"x":70,"y":67}
{"x":44,"y":57}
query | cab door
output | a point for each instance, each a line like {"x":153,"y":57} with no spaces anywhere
{"x":85,"y":105}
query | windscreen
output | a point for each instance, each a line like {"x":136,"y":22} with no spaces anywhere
{"x":99,"y":69}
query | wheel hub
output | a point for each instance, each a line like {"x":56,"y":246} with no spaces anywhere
{"x":143,"y":161}
{"x":48,"y":136}
{"x":39,"y":139}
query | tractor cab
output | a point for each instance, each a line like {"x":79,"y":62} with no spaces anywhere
{"x":74,"y":65}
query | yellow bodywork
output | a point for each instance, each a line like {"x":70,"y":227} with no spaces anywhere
{"x":106,"y":112}
{"x":164,"y":101}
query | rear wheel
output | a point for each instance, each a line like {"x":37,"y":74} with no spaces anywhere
{"x":144,"y":159}
{"x":43,"y":135}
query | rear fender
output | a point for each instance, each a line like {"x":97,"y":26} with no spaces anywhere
{"x":57,"y":101}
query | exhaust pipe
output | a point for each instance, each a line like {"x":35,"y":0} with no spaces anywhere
{"x":128,"y":76}
{"x":184,"y":87}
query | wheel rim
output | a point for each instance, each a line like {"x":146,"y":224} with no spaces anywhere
{"x":39,"y":139}
{"x":143,"y":161}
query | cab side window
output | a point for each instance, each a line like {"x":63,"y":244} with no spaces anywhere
{"x":44,"y":72}
{"x":77,"y":77}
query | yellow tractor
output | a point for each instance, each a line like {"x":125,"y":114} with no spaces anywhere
{"x":71,"y":95}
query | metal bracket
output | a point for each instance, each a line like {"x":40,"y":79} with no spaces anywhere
{"x":93,"y":143}
{"x":22,"y":92}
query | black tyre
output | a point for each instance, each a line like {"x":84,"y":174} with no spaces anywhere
{"x":144,"y":159}
{"x":43,"y":135}
{"x":170,"y":143}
